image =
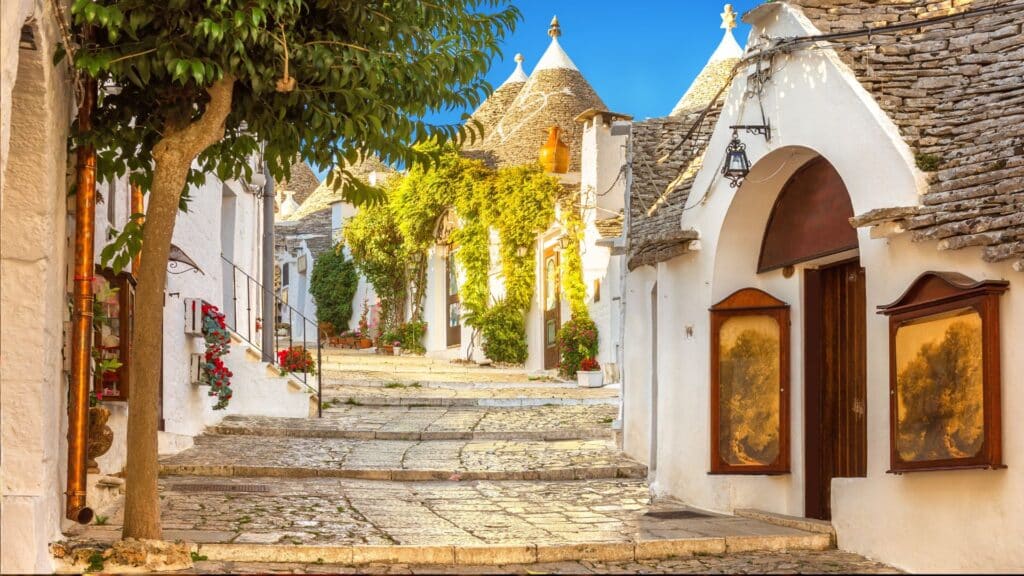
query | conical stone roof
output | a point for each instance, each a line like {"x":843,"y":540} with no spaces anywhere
{"x":495,"y":106}
{"x":370,"y":170}
{"x":555,"y":93}
{"x":716,"y":72}
{"x":301,"y":183}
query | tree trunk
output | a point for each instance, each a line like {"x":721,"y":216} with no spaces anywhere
{"x":173,"y":157}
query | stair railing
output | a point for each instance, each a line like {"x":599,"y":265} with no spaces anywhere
{"x":245,"y":297}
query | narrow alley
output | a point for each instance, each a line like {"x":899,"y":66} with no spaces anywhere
{"x":421,"y":465}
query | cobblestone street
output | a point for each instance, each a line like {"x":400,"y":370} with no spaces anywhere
{"x":416,"y":489}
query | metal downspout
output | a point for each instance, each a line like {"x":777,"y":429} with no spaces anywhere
{"x":82,"y":317}
{"x":623,"y":296}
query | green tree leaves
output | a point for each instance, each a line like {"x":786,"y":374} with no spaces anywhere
{"x":333,"y":285}
{"x":367,"y":72}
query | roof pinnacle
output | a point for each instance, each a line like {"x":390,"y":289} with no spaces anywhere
{"x":519,"y":58}
{"x":555,"y":30}
{"x":728,"y":18}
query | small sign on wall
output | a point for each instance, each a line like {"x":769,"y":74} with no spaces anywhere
{"x":303,"y":263}
{"x":195,"y":368}
{"x":194,"y":316}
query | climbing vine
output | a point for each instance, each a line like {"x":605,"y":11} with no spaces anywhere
{"x":572,"y":259}
{"x":218,"y":344}
{"x":511,"y":205}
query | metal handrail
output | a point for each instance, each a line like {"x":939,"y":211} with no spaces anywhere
{"x":253,"y":286}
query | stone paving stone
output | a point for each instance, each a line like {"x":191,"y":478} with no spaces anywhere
{"x":343,"y":512}
{"x":498,"y":397}
{"x":453,"y":423}
{"x":226,"y":455}
{"x":792,"y":562}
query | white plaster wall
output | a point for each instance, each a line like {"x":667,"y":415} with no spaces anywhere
{"x":35,"y":104}
{"x":636,"y":389}
{"x":965,"y":520}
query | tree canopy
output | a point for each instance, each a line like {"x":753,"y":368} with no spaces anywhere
{"x":327,"y":80}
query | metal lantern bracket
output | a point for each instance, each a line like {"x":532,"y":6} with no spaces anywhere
{"x":756,"y":129}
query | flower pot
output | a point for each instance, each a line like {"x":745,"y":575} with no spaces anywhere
{"x":364,"y":343}
{"x":397,"y":351}
{"x":590,"y":378}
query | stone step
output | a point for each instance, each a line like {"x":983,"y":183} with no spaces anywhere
{"x":388,"y":380}
{"x":435,"y":423}
{"x":518,"y":396}
{"x":254,"y":456}
{"x":444,"y":523}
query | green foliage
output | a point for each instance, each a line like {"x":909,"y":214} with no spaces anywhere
{"x":96,"y":562}
{"x":524,"y":207}
{"x":326,"y":81}
{"x":517,"y":203}
{"x":504,"y":333}
{"x":375,"y":242}
{"x":577,"y":341}
{"x":101,"y":520}
{"x":572,"y":261}
{"x":333,"y":285}
{"x":927,"y":162}
{"x":411,"y":334}
{"x":197,"y":557}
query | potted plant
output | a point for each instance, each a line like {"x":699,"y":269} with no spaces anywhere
{"x":577,"y":341}
{"x":297,"y":360}
{"x":590,"y":374}
{"x":363,"y":340}
{"x":396,"y":348}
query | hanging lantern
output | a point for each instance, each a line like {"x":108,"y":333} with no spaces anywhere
{"x":737,"y":166}
{"x":554,"y":155}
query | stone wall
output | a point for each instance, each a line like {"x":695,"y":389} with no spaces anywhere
{"x":956,"y":94}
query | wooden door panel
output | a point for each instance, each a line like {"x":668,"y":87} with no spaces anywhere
{"x":836,"y":383}
{"x":552,"y":305}
{"x":453,"y":335}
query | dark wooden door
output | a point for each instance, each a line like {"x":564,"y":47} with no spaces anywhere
{"x":552,"y":308}
{"x":452,"y":314}
{"x":836,"y":387}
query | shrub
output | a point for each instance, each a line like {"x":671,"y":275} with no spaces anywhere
{"x":504,"y":333}
{"x":333,"y":286}
{"x":578,"y":341}
{"x":411,"y":334}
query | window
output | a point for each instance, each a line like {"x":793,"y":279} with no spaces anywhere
{"x":944,"y":406}
{"x":112,"y":322}
{"x":749,"y":382}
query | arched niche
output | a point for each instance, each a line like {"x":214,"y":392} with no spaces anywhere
{"x":810,"y":218}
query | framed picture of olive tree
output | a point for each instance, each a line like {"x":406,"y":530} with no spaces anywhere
{"x":749,"y":382}
{"x":944,"y":401}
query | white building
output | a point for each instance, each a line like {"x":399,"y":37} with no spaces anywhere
{"x":908,"y":134}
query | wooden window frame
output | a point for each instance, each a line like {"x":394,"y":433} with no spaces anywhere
{"x":751,"y":302}
{"x":125,"y":283}
{"x":932,"y":294}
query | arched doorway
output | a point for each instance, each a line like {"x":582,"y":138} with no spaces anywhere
{"x":809,"y":226}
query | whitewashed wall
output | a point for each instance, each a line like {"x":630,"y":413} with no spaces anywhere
{"x":964,"y":520}
{"x":35,"y":110}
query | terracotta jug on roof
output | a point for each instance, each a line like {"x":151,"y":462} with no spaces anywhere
{"x":554,"y":155}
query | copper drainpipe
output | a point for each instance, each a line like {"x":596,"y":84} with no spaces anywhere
{"x":81,"y":320}
{"x":137,"y":208}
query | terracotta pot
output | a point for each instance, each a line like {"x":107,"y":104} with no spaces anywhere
{"x":101,"y":437}
{"x":554,"y":155}
{"x":365,"y":343}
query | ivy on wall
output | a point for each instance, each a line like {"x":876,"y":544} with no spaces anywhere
{"x":572,"y":259}
{"x":517,"y":203}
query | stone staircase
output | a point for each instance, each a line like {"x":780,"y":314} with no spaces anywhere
{"x":400,"y":474}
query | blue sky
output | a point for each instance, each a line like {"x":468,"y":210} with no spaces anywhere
{"x":639,"y":55}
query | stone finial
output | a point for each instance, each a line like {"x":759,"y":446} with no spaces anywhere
{"x":728,"y":18}
{"x":519,"y":58}
{"x":555,"y":30}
